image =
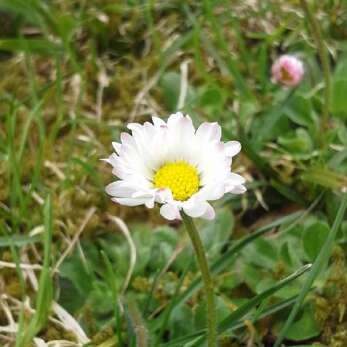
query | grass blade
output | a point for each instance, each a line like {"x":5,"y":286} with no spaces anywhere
{"x":44,"y":294}
{"x":112,"y":282}
{"x":227,"y":258}
{"x":233,"y":319}
{"x":242,"y":310}
{"x":136,"y":324}
{"x":319,"y":263}
{"x":18,"y":240}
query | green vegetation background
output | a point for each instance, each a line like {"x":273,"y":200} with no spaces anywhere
{"x":74,"y":73}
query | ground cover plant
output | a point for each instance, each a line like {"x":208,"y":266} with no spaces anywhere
{"x":77,"y":269}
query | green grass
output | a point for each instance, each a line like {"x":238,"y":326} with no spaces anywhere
{"x":294,"y":156}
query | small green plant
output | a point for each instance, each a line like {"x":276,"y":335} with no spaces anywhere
{"x":81,"y":270}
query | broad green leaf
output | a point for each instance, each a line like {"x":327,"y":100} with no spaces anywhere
{"x":314,"y":238}
{"x":228,"y":257}
{"x":251,"y":275}
{"x":318,"y":264}
{"x":200,"y":321}
{"x":298,"y":141}
{"x":73,"y":269}
{"x":242,"y":310}
{"x":338,"y":104}
{"x":245,"y":308}
{"x":300,"y":111}
{"x":19,"y":240}
{"x":216,"y":233}
{"x":325,"y":177}
{"x":338,"y":100}
{"x":306,"y":327}
{"x":262,"y":252}
{"x":39,"y":46}
{"x":170,"y":84}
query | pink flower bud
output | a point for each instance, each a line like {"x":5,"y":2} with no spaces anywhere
{"x":287,"y":70}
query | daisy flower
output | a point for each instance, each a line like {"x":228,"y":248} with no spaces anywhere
{"x":288,"y":70}
{"x":175,"y":165}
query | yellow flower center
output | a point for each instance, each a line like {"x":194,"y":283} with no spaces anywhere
{"x":180,"y":177}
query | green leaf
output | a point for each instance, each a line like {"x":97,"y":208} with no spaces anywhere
{"x":245,"y":308}
{"x":319,"y":263}
{"x":19,"y":240}
{"x":39,"y":46}
{"x":74,"y":270}
{"x":170,"y":84}
{"x":314,"y":238}
{"x":306,"y":327}
{"x":241,"y":311}
{"x":338,"y":104}
{"x":228,"y":257}
{"x":216,"y":233}
{"x":298,"y":141}
{"x":262,"y":252}
{"x":338,"y":100}
{"x":26,"y":8}
{"x":300,"y":111}
{"x":200,"y":318}
{"x":325,"y":177}
{"x":251,"y":275}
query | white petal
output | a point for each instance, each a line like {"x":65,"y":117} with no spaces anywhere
{"x":163,"y":195}
{"x":173,"y":118}
{"x":237,"y":189}
{"x":208,"y":132}
{"x":232,"y":148}
{"x":158,"y":122}
{"x":186,"y":127}
{"x":181,"y":126}
{"x":126,"y":139}
{"x":119,"y":168}
{"x":144,"y":194}
{"x":119,"y":189}
{"x":195,"y":208}
{"x":209,"y":213}
{"x":235,"y":179}
{"x":116,"y":147}
{"x":134,"y":126}
{"x":170,"y":212}
{"x":212,"y":191}
{"x":128,"y":201}
{"x":150,"y":203}
{"x":112,"y":159}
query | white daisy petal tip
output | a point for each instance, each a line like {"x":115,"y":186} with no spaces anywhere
{"x":172,"y":164}
{"x":232,"y":148}
{"x":116,"y":146}
{"x":209,"y":131}
{"x":170,"y":212}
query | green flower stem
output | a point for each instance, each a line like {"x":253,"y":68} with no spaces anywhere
{"x":324,"y":58}
{"x":206,"y":276}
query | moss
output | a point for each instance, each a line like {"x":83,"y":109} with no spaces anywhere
{"x":103,"y":335}
{"x":331,"y":304}
{"x":229,"y":342}
{"x":141,"y":284}
{"x":54,"y":332}
{"x":279,"y":271}
{"x":89,"y":320}
{"x":14,"y":289}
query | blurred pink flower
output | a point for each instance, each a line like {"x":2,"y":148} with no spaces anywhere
{"x":287,"y":70}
